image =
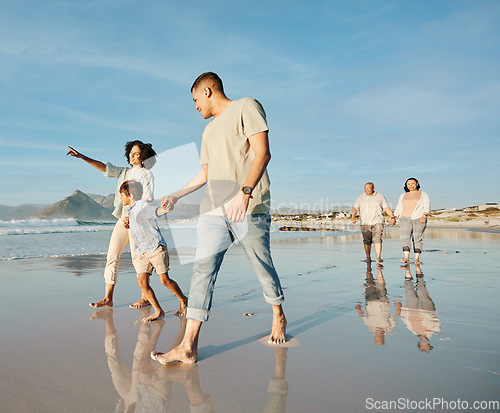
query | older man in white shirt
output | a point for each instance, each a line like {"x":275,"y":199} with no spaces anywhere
{"x":370,"y":206}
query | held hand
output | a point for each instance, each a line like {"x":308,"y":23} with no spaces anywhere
{"x":126,"y":222}
{"x":160,"y":211}
{"x":423,"y":219}
{"x":168,"y":203}
{"x":354,"y":220}
{"x":237,"y":209}
{"x":74,"y":152}
{"x":392,"y":221}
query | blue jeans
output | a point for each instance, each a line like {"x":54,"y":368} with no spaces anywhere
{"x":214,"y":236}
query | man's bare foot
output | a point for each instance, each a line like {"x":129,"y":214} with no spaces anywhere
{"x":368,"y":260}
{"x":141,"y":303}
{"x":404,"y":261}
{"x":155,"y":316}
{"x":417,"y":261}
{"x":105,"y":302}
{"x":182,"y":309}
{"x":179,"y":353}
{"x":278,"y":332}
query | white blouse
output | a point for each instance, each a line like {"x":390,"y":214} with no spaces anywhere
{"x":142,"y":175}
{"x":423,"y":206}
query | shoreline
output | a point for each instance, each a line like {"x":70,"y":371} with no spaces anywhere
{"x":339,"y":224}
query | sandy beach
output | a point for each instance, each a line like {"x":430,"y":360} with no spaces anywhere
{"x":354,"y":327}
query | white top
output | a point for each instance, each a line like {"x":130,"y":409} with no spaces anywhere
{"x":421,"y":321}
{"x":142,"y":175}
{"x":423,"y":206}
{"x":371,"y":208}
{"x":378,"y":315}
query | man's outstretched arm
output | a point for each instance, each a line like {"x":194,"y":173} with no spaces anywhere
{"x":196,"y":183}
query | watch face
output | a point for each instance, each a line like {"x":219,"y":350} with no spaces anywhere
{"x":246,"y":190}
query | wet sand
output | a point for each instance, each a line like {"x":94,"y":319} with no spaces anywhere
{"x":357,"y":336}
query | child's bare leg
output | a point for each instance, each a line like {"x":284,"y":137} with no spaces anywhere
{"x":174,"y":287}
{"x":148,"y":293}
{"x":143,"y":302}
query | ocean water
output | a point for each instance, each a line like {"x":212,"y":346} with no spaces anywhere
{"x":36,"y":238}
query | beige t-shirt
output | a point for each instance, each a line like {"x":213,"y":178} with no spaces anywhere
{"x":226,"y":150}
{"x":371,"y":208}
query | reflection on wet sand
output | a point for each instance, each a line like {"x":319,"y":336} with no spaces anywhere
{"x":277,"y":388}
{"x":147,"y":386}
{"x":82,"y":264}
{"x":419,"y":311}
{"x":376,"y":315}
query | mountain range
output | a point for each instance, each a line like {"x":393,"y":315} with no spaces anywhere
{"x":89,"y":207}
{"x":79,"y":206}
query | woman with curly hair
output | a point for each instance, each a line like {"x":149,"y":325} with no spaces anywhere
{"x":141,"y":158}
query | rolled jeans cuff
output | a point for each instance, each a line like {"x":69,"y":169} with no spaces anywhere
{"x":274,"y":300}
{"x":197,"y":314}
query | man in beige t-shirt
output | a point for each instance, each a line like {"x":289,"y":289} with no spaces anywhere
{"x":371,"y":206}
{"x":234,"y":156}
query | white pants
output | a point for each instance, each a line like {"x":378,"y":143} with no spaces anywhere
{"x":119,"y":240}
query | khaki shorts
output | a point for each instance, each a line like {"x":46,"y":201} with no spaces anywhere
{"x":372,"y":234}
{"x":157,"y":259}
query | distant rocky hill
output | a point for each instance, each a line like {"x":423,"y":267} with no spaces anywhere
{"x":79,"y":206}
{"x":105,"y":201}
{"x":5,"y":209}
{"x":25,"y":211}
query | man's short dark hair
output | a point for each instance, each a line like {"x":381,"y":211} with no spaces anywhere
{"x":132,"y":189}
{"x":411,"y":179}
{"x":148,"y":154}
{"x":211,"y":78}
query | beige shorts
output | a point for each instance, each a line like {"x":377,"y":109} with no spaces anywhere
{"x":372,"y":234}
{"x":157,"y":259}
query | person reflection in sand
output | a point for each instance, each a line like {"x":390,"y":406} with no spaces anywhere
{"x":124,"y":379}
{"x":419,"y":311}
{"x":277,"y":388}
{"x":377,"y":315}
{"x":147,"y":387}
{"x":155,"y":381}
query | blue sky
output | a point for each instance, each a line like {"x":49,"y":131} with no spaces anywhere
{"x":355,"y":91}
